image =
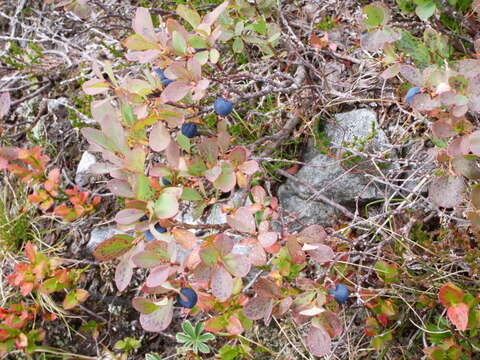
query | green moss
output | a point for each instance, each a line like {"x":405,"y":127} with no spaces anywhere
{"x":326,"y":23}
{"x":15,"y":221}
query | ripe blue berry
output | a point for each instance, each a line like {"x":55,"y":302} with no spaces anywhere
{"x":187,"y":298}
{"x":411,"y":93}
{"x":149,"y":236}
{"x":163,"y":78}
{"x":160,"y":228}
{"x":222,"y":106}
{"x":340,"y":294}
{"x":144,"y":218}
{"x":189,"y":129}
{"x":165,"y":181}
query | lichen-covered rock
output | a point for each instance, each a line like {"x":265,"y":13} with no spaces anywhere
{"x":344,"y":182}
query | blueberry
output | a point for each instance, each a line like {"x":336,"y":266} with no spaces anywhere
{"x":222,"y":106}
{"x":144,"y":218}
{"x":411,"y":93}
{"x":189,"y":129}
{"x":165,"y":181}
{"x":163,"y":78}
{"x":160,"y":228}
{"x":340,"y":294}
{"x":149,"y":236}
{"x":187,"y":298}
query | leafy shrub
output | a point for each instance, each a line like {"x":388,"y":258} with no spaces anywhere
{"x":144,"y":138}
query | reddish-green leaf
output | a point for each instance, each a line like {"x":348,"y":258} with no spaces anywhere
{"x":95,"y":86}
{"x":184,"y":238}
{"x":209,"y":256}
{"x":388,"y":272}
{"x":135,"y":160}
{"x":226,"y":181}
{"x":74,"y":297}
{"x":113,"y":247}
{"x":166,"y":206}
{"x":450,"y":294}
{"x":212,"y":16}
{"x":149,"y":259}
{"x":330,"y":322}
{"x":158,"y":320}
{"x":458,"y":315}
{"x":143,"y":25}
{"x":143,"y":305}
{"x":238,"y":265}
{"x":96,"y":138}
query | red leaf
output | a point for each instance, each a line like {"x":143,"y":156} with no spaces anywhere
{"x":128,"y":216}
{"x":295,"y":250}
{"x":458,"y":315}
{"x":322,"y":254}
{"x":242,"y":220}
{"x":318,"y":341}
{"x":313,"y":234}
{"x":175,"y":91}
{"x":221,"y":283}
{"x":266,"y":288}
{"x":257,"y":308}
{"x":159,"y":137}
{"x":267,"y":239}
{"x":158,"y":276}
{"x":123,"y":274}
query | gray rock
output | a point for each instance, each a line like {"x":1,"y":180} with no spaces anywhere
{"x":328,"y":176}
{"x":82,"y":176}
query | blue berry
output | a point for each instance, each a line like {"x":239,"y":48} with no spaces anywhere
{"x":189,"y":129}
{"x":222,"y":106}
{"x":165,"y":181}
{"x":187,"y":298}
{"x":340,"y":294}
{"x":160,"y":228}
{"x":149,"y":236}
{"x":411,"y":93}
{"x":144,"y":218}
{"x":163,"y":78}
